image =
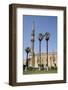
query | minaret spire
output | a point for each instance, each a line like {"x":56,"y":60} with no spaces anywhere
{"x":32,"y":42}
{"x":33,"y":26}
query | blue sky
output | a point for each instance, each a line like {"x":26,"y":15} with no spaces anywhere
{"x":43,"y":24}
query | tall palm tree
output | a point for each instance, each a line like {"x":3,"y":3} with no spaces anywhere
{"x":40,"y":38}
{"x":47,"y":36}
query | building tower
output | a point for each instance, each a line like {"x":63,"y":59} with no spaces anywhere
{"x":32,"y":44}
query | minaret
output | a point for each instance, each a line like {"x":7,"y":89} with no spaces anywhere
{"x":32,"y":44}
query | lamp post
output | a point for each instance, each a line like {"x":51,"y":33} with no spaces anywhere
{"x":47,"y":36}
{"x":40,"y":39}
{"x":27,"y":51}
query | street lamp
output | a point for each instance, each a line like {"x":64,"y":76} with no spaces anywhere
{"x":40,"y":39}
{"x":47,"y":36}
{"x":27,"y":51}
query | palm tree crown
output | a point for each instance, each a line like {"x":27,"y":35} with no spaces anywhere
{"x":40,"y":37}
{"x":47,"y":35}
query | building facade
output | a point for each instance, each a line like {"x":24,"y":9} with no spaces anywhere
{"x":52,"y":60}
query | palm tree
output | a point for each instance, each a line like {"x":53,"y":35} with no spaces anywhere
{"x":47,"y":36}
{"x":40,"y":39}
{"x":27,"y":51}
